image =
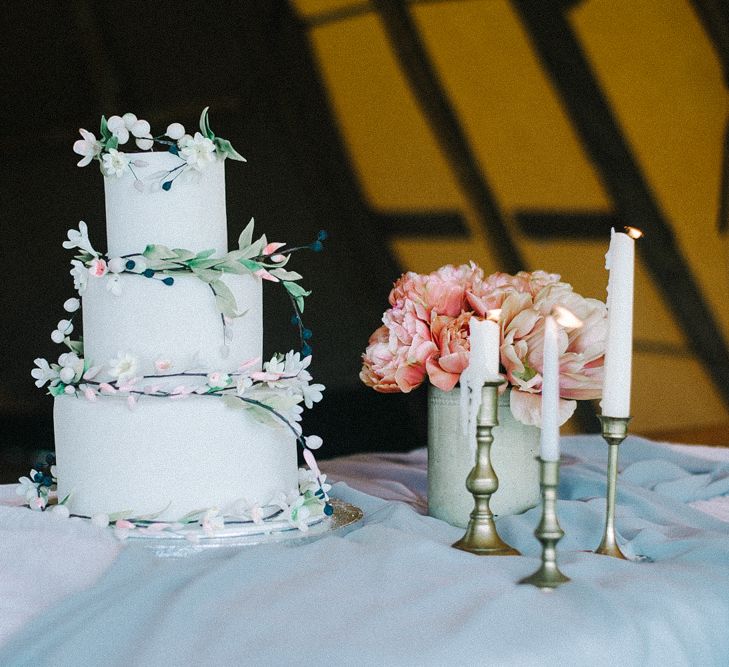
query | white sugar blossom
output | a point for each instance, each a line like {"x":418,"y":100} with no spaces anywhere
{"x":123,"y":366}
{"x":72,"y":367}
{"x":308,"y":481}
{"x":88,"y":147}
{"x":80,"y":276}
{"x":118,"y":128}
{"x":114,"y":163}
{"x":294,"y":364}
{"x":140,"y":130}
{"x":114,"y":284}
{"x":67,"y":375}
{"x":44,"y":373}
{"x":71,"y":305}
{"x":26,"y":487}
{"x":175,"y":131}
{"x":79,"y":238}
{"x":313,"y":441}
{"x":298,"y":513}
{"x":100,"y":520}
{"x":117,"y":264}
{"x":63,"y":328}
{"x":244,"y":383}
{"x":312,"y":393}
{"x":197,"y":151}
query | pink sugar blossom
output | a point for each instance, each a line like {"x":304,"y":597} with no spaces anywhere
{"x":272,"y":248}
{"x":98,"y":268}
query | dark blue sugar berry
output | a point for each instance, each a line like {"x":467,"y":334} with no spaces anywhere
{"x":166,"y":185}
{"x":328,"y":509}
{"x":148,"y":273}
{"x":130,"y":264}
{"x":169,"y":280}
{"x":317,"y":246}
{"x":306,"y":334}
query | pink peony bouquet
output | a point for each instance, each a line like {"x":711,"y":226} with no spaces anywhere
{"x":425,"y":333}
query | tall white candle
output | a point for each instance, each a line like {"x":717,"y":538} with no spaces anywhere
{"x":550,"y":392}
{"x":620,"y":261}
{"x":485,"y":343}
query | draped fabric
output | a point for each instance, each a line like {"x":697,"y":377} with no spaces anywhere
{"x":393,"y":591}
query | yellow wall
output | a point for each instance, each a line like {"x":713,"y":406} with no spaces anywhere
{"x":658,"y":70}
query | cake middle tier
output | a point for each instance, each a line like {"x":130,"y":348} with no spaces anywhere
{"x":179,"y":323}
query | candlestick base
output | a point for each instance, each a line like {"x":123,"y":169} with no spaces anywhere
{"x":548,"y":532}
{"x":614,"y":431}
{"x":481,"y":537}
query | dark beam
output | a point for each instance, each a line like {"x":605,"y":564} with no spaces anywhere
{"x":571,"y":74}
{"x":420,"y":225}
{"x":443,"y":120}
{"x":546,"y":225}
{"x":714,"y":15}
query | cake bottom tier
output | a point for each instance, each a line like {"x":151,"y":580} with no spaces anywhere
{"x":167,"y":456}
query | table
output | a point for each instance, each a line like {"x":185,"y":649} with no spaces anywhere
{"x":393,"y":592}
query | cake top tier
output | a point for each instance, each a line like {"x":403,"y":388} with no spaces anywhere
{"x":174,"y":197}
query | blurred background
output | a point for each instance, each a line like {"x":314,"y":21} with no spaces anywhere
{"x":513,"y":134}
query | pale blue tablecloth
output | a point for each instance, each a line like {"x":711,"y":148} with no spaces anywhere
{"x":393,"y":592}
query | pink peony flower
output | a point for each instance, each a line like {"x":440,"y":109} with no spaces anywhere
{"x":450,"y":335}
{"x":442,"y":291}
{"x":425,"y":333}
{"x":391,"y":366}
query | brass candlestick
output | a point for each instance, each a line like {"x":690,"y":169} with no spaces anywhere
{"x":614,"y":430}
{"x":481,"y":536}
{"x":548,"y":532}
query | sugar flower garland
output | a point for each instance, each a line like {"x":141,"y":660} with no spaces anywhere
{"x":260,"y":258}
{"x":195,"y":152}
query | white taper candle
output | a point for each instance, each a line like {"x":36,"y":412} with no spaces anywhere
{"x":485,"y":343}
{"x":620,"y":261}
{"x":550,"y":392}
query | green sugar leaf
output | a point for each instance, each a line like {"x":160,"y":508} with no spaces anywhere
{"x":225,"y":148}
{"x":158,"y":252}
{"x":182,"y":254}
{"x":204,"y":254}
{"x":225,"y":300}
{"x":205,"y":125}
{"x":246,"y":236}
{"x":283,"y":274}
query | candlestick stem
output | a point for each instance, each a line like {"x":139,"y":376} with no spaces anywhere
{"x":614,"y":430}
{"x":481,"y":537}
{"x":548,"y":532}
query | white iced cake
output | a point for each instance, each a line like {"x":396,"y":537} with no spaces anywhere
{"x":165,"y":410}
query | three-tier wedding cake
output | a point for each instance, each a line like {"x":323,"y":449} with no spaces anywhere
{"x":164,"y":410}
